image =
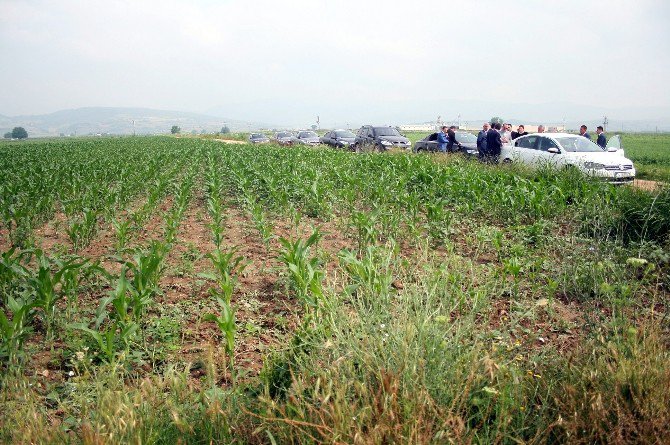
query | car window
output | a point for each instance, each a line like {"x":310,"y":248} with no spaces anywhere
{"x":578,"y":144}
{"x":307,"y":134}
{"x":462,"y":136}
{"x":525,"y":142}
{"x":432,"y":137}
{"x":328,"y":135}
{"x":546,"y":144}
{"x":386,"y":131}
{"x":614,"y":142}
{"x":343,"y":134}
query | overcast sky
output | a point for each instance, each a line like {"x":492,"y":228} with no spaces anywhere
{"x":286,"y":62}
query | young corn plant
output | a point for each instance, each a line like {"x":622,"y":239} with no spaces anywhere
{"x":47,"y":285}
{"x":263,"y":226}
{"x":12,"y":273}
{"x":370,"y":275}
{"x":366,"y":227}
{"x":438,"y":220}
{"x":81,"y":231}
{"x":228,"y":266}
{"x":304,"y":271}
{"x":14,"y":329}
{"x":122,"y":230}
{"x":146,"y":268}
{"x":114,"y":326}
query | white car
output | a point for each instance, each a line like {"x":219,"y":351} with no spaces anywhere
{"x":561,"y":150}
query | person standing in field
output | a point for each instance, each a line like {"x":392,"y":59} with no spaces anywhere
{"x":602,"y":140}
{"x":506,"y":133}
{"x":481,"y":140}
{"x":451,"y":134}
{"x":540,"y":129}
{"x":582,"y":132}
{"x":521,"y":131}
{"x":442,"y":140}
{"x":494,"y":144}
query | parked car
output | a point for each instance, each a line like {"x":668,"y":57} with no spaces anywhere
{"x":285,"y":138}
{"x":338,"y":138}
{"x":258,"y":138}
{"x":380,"y":139}
{"x":308,"y":137}
{"x":467,"y":140}
{"x":565,"y":151}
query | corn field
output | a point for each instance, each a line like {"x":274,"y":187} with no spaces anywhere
{"x":164,"y":290}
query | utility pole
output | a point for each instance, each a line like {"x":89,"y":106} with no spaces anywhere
{"x":133,"y":127}
{"x":318,"y":124}
{"x":605,"y":122}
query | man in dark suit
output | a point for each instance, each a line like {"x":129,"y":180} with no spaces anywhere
{"x":493,"y":144}
{"x":481,"y":140}
{"x":521,"y":131}
{"x":451,"y":134}
{"x":602,"y":140}
{"x":582,"y":132}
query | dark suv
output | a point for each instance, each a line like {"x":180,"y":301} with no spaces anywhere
{"x":380,"y":139}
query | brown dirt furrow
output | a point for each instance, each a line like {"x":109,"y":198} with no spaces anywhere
{"x":52,"y":234}
{"x":648,"y":185}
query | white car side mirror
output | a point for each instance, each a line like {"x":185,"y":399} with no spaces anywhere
{"x":553,"y":150}
{"x":612,"y":149}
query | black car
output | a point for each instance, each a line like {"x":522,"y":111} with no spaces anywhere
{"x":258,"y":138}
{"x":285,"y":138}
{"x":338,"y":138}
{"x":467,"y":140}
{"x":380,"y":139}
{"x":308,"y":137}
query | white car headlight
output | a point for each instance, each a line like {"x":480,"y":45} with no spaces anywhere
{"x":344,"y":142}
{"x":385,"y":142}
{"x":594,"y":166}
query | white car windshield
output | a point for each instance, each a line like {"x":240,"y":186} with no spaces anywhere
{"x":578,"y":144}
{"x":307,"y":134}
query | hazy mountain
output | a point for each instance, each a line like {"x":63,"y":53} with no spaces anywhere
{"x":114,"y":120}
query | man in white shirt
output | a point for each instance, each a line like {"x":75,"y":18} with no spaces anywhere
{"x":506,"y":134}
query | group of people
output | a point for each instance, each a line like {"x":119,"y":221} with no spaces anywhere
{"x":494,"y":135}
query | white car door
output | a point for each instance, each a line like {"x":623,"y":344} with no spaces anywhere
{"x":614,"y":145}
{"x":548,"y":152}
{"x":525,"y":150}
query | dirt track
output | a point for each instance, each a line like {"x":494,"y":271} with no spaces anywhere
{"x":231,"y":141}
{"x":648,"y":185}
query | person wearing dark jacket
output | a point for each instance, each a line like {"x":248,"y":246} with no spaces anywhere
{"x":481,"y":140}
{"x":582,"y":132}
{"x":442,"y":139}
{"x":493,"y":144}
{"x":602,"y":140}
{"x":521,"y":131}
{"x":451,"y":134}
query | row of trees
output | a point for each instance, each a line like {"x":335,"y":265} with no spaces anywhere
{"x":17,"y":133}
{"x":176,"y":129}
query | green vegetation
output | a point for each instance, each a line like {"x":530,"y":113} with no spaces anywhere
{"x":182,"y":290}
{"x":651,"y":154}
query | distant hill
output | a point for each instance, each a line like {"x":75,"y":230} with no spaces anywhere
{"x":115,"y":120}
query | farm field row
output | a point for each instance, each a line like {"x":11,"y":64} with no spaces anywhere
{"x":159,"y":290}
